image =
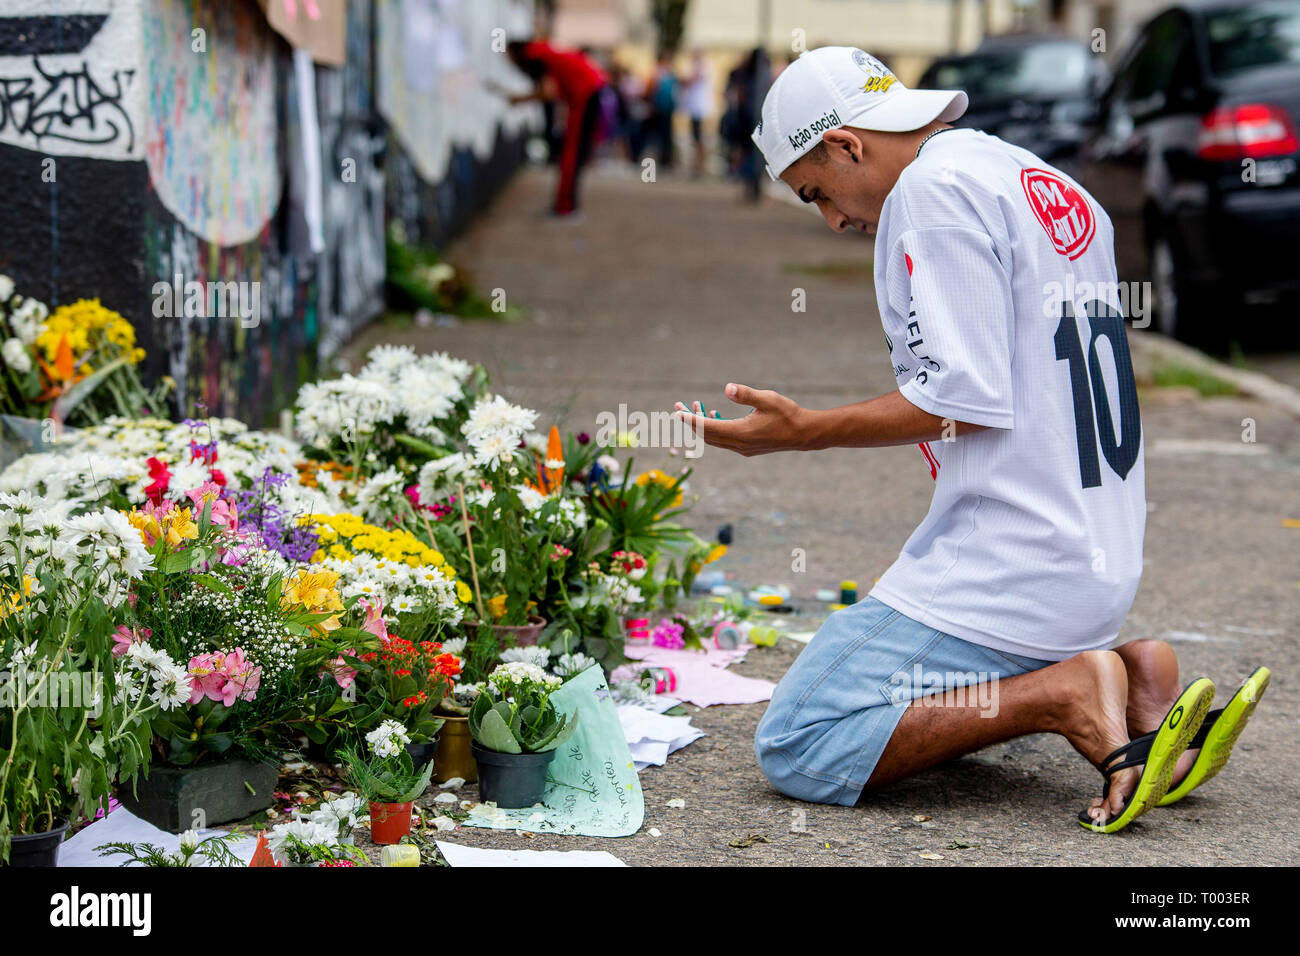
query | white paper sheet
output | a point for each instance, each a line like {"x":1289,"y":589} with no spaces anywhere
{"x":122,"y":826}
{"x":457,"y":855}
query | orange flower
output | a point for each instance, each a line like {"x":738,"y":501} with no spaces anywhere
{"x":550,"y":470}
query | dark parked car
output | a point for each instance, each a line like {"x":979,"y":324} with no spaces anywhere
{"x":1031,"y":90}
{"x":1195,"y":155}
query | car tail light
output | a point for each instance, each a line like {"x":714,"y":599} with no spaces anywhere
{"x":1252,"y":130}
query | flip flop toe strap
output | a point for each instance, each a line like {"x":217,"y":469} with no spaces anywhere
{"x":1132,"y":754}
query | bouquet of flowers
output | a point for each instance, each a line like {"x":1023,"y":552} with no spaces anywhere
{"x":402,"y":680}
{"x":70,"y":720}
{"x":75,"y":365}
{"x":245,"y":623}
{"x":399,"y":410}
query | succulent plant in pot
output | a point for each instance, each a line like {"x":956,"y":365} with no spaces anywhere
{"x":516,"y":731}
{"x":388,"y":780}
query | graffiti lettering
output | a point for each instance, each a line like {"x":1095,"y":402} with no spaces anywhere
{"x":69,"y":106}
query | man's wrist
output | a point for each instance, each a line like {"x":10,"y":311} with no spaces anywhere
{"x":810,"y":430}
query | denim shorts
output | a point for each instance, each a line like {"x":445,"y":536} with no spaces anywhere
{"x":836,"y":708}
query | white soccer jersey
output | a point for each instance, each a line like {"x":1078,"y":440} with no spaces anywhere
{"x":995,"y":275}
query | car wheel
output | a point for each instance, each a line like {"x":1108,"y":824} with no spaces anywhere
{"x":1165,"y":288}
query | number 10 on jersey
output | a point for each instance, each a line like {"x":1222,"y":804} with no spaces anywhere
{"x":1093,"y":422}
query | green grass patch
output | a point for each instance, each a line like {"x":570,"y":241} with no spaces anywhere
{"x":1175,"y":374}
{"x":851,"y":269}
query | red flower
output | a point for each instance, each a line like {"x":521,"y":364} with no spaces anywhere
{"x":217,"y":477}
{"x":161,"y":476}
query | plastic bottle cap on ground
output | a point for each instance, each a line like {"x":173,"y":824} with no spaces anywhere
{"x":771,"y":599}
{"x":849,"y":585}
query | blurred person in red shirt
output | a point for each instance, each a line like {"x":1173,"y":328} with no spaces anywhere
{"x":576,"y":79}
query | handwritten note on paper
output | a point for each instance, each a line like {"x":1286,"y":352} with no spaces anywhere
{"x":592,"y":786}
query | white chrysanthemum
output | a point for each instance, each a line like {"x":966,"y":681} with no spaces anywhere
{"x":6,"y":288}
{"x":455,"y":645}
{"x":386,"y":362}
{"x":328,"y":410}
{"x":530,"y":498}
{"x":375,"y":497}
{"x":458,"y":369}
{"x":539,"y":657}
{"x":171,"y":686}
{"x":303,"y":831}
{"x":341,"y":813}
{"x":442,"y":474}
{"x":17,"y":357}
{"x":186,"y":476}
{"x":494,"y":429}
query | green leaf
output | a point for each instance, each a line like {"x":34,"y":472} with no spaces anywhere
{"x":494,"y":734}
{"x":570,"y":725}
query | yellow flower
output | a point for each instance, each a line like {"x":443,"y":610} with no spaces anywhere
{"x":463,"y":592}
{"x":496,"y":606}
{"x":317,"y":592}
{"x":89,"y":328}
{"x":658,"y":477}
{"x":717,"y":552}
{"x":176,"y":527}
{"x":13,"y":601}
{"x":180,"y":527}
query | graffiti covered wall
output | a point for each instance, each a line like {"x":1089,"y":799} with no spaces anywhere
{"x":353,"y":146}
{"x":155,"y":145}
{"x":455,"y":139}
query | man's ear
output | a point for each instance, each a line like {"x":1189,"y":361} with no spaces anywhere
{"x":843,"y":145}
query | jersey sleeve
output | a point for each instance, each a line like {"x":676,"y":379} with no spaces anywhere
{"x":955,"y":295}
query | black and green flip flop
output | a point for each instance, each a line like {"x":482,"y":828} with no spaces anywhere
{"x":1219,"y":733}
{"x":1156,"y":753}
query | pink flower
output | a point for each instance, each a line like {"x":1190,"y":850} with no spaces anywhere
{"x":375,"y":619}
{"x":223,"y":513}
{"x":206,"y":679}
{"x":124,"y":637}
{"x":242,"y":678}
{"x":668,"y":634}
{"x":342,"y":673}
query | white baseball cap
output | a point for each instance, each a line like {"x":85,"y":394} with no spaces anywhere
{"x":835,"y":86}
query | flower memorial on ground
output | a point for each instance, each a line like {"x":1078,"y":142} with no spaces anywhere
{"x":204,"y":598}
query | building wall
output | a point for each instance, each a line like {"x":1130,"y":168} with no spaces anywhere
{"x":453,"y":137}
{"x":144,"y":140}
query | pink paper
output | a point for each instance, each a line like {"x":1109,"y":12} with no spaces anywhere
{"x":702,"y":678}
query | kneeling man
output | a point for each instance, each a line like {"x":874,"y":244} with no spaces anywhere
{"x":995,"y":278}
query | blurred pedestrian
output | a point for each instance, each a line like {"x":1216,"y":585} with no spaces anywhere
{"x":747,"y":85}
{"x":662,"y":96}
{"x":699,"y":105}
{"x":576,"y":79}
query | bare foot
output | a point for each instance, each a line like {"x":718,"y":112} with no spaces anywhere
{"x":1153,"y":686}
{"x":1095,"y":722}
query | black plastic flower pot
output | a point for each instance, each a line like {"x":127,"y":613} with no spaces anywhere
{"x":178,"y":798}
{"x":37,"y":849}
{"x":511,"y":781}
{"x":422,"y":753}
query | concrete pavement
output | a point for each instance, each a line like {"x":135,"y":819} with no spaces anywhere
{"x":668,"y":290}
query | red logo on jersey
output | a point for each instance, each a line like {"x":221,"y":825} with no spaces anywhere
{"x":1061,"y":210}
